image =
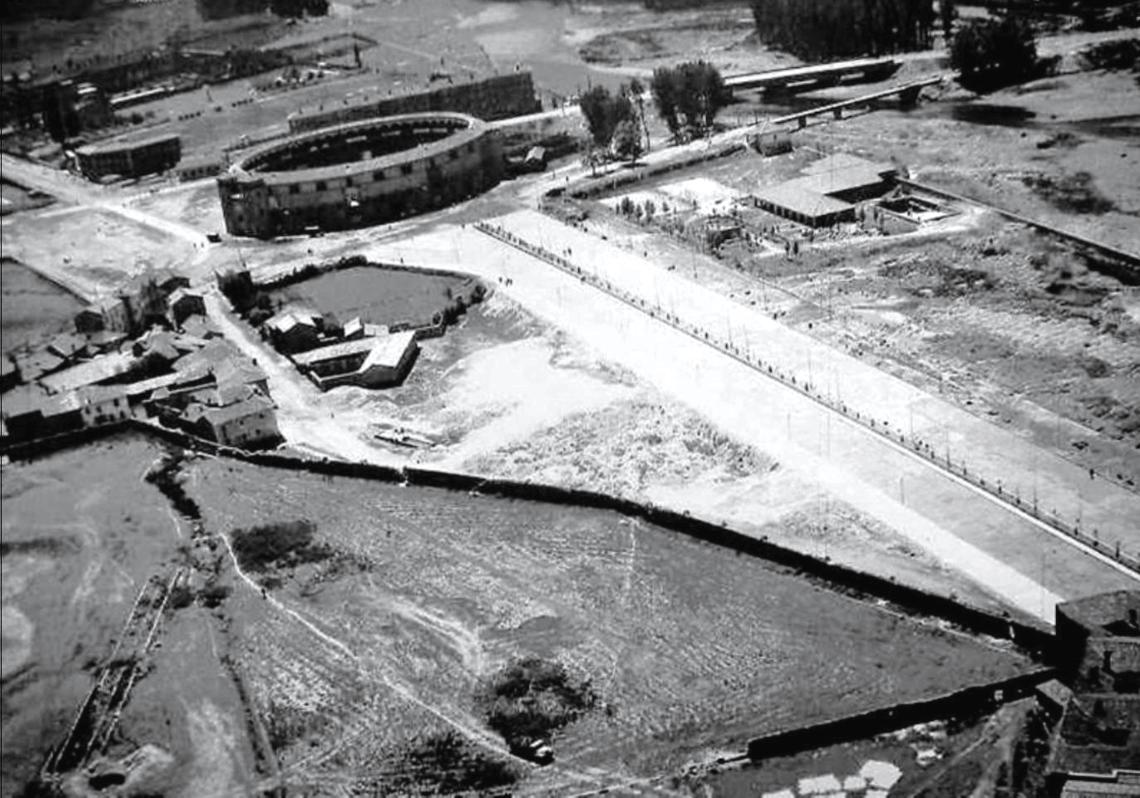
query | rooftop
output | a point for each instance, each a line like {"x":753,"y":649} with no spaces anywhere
{"x":332,"y":351}
{"x":222,"y":415}
{"x":390,"y":350}
{"x":99,"y":369}
{"x":802,"y":200}
{"x":838,"y":180}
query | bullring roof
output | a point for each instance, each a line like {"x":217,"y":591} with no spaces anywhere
{"x":472,"y":129}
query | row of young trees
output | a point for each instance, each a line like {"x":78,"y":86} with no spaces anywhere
{"x":821,"y":29}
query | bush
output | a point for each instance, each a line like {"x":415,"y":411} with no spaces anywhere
{"x":531,"y":698}
{"x":288,"y":544}
{"x":990,"y":55}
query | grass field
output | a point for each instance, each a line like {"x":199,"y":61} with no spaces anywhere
{"x":419,"y":593}
{"x":80,"y":535}
{"x":377,"y":296}
{"x":82,"y":532}
{"x":31,"y":307}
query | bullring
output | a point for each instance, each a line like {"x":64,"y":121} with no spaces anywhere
{"x":359,"y":174}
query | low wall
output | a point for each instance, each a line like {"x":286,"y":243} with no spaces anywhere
{"x":1037,"y":641}
{"x":973,"y":700}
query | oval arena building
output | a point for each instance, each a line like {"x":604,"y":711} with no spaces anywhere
{"x":359,"y":174}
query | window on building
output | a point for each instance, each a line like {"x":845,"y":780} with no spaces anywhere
{"x":321,"y":185}
{"x":454,"y":155}
{"x":378,"y":174}
{"x":294,"y":189}
{"x":406,"y":168}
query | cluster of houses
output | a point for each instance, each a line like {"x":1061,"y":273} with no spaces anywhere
{"x":356,"y":353}
{"x":149,"y":352}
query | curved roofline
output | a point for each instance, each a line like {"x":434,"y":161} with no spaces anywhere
{"x":475,"y":128}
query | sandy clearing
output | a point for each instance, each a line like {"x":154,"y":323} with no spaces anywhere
{"x":517,"y":383}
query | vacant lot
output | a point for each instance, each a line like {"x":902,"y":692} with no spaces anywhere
{"x":80,"y":536}
{"x":82,"y":532}
{"x":32,"y":308}
{"x":378,"y":295}
{"x":418,"y":593}
{"x":97,"y":247}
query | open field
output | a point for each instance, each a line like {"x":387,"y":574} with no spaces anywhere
{"x":195,"y":204}
{"x":81,"y":533}
{"x":411,"y":595}
{"x":377,"y":295}
{"x":95,"y":246}
{"x":31,"y":308}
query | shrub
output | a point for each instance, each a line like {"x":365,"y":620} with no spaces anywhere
{"x":531,"y":698}
{"x":287,"y":543}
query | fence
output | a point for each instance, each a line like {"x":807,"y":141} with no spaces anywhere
{"x":973,"y":700}
{"x":912,"y":444}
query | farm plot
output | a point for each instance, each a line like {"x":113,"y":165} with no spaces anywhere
{"x":378,"y":295}
{"x":400,"y":600}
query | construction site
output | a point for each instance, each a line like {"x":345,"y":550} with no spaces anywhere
{"x":370,"y":429}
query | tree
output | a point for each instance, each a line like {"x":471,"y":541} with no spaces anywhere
{"x":637,"y":94}
{"x":989,"y":55}
{"x":604,"y":112}
{"x":665,"y":92}
{"x":689,"y":96}
{"x":821,"y":29}
{"x":627,"y":140}
{"x":947,"y":13}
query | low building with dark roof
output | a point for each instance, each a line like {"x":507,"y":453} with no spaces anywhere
{"x":103,"y":404}
{"x":29,"y":413}
{"x":248,"y":424}
{"x":1096,"y":746}
{"x":183,"y":303}
{"x":294,"y":330}
{"x":1098,"y":641}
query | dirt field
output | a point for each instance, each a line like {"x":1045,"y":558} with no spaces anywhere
{"x":99,"y":247}
{"x":417,"y":593}
{"x":196,"y":204}
{"x":377,"y":296}
{"x":32,"y":308}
